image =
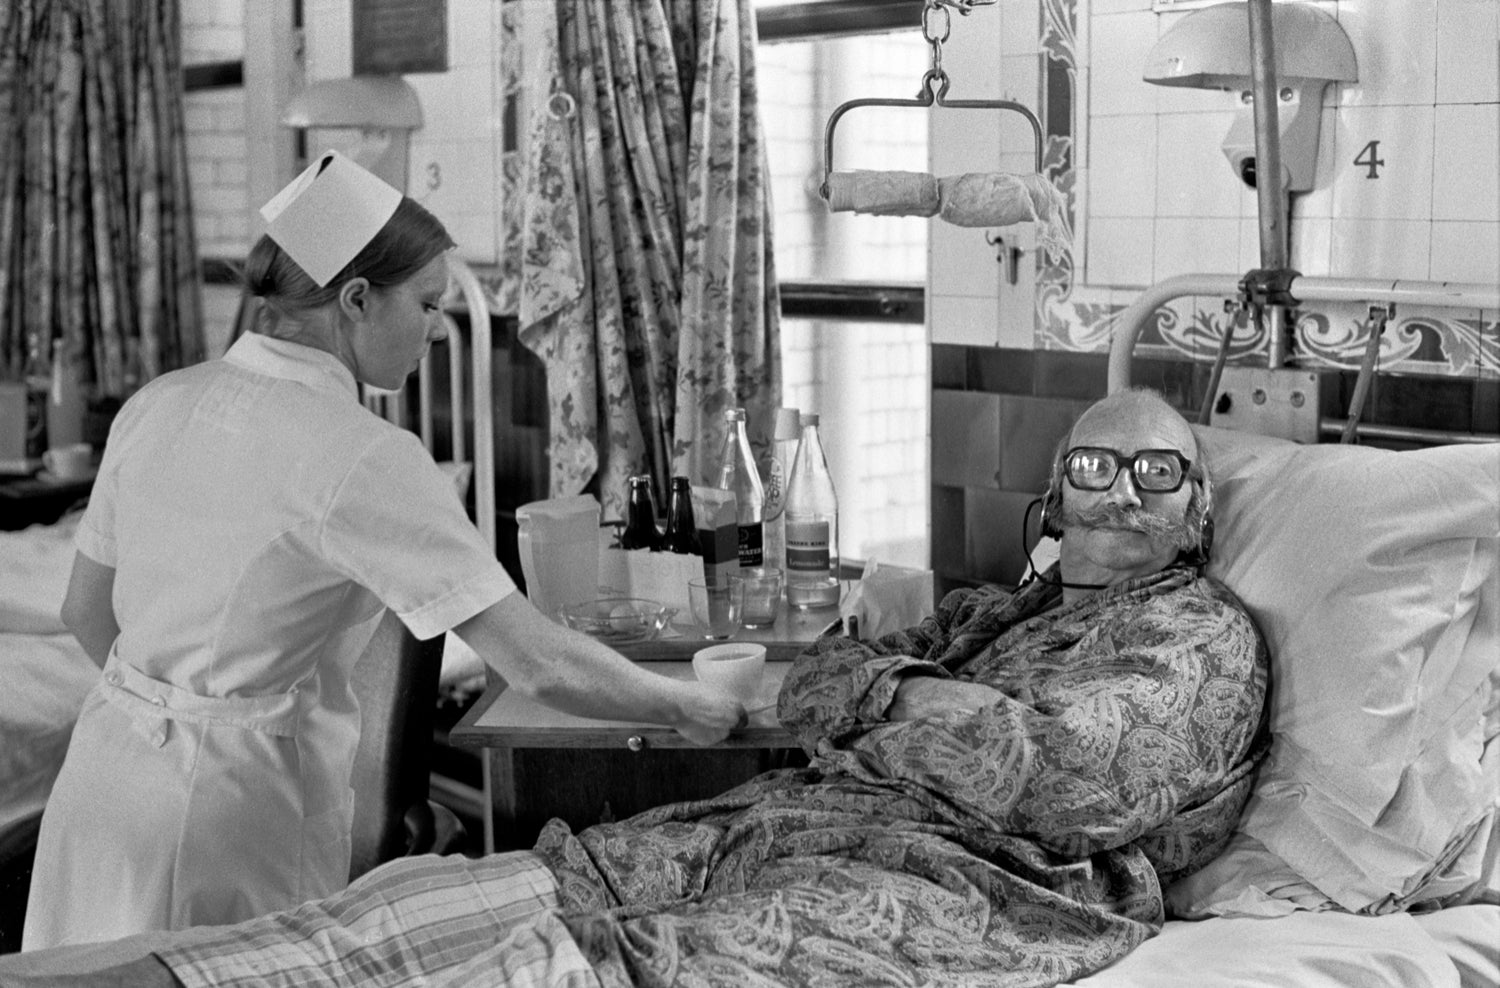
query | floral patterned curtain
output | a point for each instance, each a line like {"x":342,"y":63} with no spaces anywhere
{"x":98,"y":263}
{"x":639,"y":235}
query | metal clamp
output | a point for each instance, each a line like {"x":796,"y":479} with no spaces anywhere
{"x":1261,"y":287}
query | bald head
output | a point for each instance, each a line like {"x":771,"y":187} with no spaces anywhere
{"x":1143,"y":414}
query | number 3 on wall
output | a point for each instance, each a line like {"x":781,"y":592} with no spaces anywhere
{"x":1369,"y":157}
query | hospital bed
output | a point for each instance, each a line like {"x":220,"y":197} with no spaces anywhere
{"x":1369,"y":854}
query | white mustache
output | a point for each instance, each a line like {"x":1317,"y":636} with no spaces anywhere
{"x":1111,"y":516}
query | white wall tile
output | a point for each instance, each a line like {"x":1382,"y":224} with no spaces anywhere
{"x":455,"y":103}
{"x":1119,"y":44}
{"x":1020,"y":28}
{"x":1403,"y":186}
{"x":960,"y":140}
{"x":1468,"y":36}
{"x":1381,"y":248}
{"x":1122,"y":166}
{"x":448,"y":177}
{"x":328,"y":28}
{"x":469,"y":38}
{"x":962,"y":320}
{"x":1395,"y":51}
{"x":1312,"y":246}
{"x":1249,"y":244}
{"x":961,"y":262}
{"x":1466,"y":252}
{"x":971,"y":55}
{"x":1020,"y":79}
{"x":1114,"y":253}
{"x":1193,"y":178}
{"x":1196,"y":245}
{"x":1466,"y":175}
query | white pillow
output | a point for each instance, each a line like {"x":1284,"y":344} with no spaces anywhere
{"x":1373,"y":576}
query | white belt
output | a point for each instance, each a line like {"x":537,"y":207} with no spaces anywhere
{"x":139,"y":695}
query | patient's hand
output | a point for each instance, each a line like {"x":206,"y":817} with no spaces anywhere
{"x":926,"y":696}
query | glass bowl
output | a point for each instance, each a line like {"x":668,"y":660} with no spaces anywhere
{"x":619,"y":620}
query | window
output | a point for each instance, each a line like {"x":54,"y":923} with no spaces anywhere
{"x":854,"y":345}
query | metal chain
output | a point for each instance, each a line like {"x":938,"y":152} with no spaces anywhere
{"x":936,"y":77}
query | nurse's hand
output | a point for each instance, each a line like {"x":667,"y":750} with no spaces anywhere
{"x":708,"y":715}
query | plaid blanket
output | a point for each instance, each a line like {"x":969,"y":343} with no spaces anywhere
{"x":427,"y":920}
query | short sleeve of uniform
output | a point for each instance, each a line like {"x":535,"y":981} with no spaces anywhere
{"x":396,"y":526}
{"x":95,"y":536}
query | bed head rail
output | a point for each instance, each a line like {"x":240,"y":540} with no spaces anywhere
{"x":1449,"y":294}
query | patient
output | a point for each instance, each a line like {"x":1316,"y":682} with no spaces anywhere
{"x":996,"y":796}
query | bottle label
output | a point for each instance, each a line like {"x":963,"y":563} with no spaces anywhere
{"x":752,"y":545}
{"x":775,"y":488}
{"x":807,"y":546}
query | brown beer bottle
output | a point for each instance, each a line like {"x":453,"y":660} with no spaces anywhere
{"x":682,"y":530}
{"x":640,"y":516}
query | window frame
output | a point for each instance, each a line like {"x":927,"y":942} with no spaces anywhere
{"x":841,"y":300}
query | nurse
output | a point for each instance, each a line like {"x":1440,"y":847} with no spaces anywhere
{"x":250,"y":523}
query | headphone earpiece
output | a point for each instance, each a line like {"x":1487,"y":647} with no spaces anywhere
{"x":1199,"y":555}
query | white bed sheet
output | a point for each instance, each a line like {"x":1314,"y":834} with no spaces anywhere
{"x":45,"y":672}
{"x":1303,"y":950}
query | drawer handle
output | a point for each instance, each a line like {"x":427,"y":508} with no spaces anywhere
{"x":635,"y":743}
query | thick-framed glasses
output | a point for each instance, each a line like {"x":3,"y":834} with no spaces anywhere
{"x":1095,"y":468}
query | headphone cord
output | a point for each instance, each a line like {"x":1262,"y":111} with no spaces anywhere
{"x":1036,"y":574}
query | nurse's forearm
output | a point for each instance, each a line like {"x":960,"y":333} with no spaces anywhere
{"x":568,"y":670}
{"x":88,"y":608}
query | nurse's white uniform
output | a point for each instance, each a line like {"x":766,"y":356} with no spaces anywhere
{"x":259,"y":519}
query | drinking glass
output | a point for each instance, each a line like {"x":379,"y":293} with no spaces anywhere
{"x":715,"y":607}
{"x":761,"y":596}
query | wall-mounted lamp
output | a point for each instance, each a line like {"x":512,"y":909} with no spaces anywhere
{"x":1210,"y":49}
{"x":383,"y":108}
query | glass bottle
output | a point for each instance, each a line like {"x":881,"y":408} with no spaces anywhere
{"x":682,"y":530}
{"x":65,"y":402}
{"x":640,"y":516}
{"x":738,"y":473}
{"x":812,"y":525}
{"x":783,"y":451}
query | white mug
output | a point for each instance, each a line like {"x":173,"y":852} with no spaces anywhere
{"x":70,"y":462}
{"x":734,"y":668}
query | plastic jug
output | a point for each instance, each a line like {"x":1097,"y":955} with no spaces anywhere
{"x":558,"y":542}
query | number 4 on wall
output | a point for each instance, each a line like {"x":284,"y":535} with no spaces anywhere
{"x":1369,"y":157}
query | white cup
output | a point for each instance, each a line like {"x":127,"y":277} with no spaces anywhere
{"x":70,"y":462}
{"x":735,"y":668}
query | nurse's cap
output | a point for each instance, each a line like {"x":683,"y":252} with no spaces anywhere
{"x":326,"y":215}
